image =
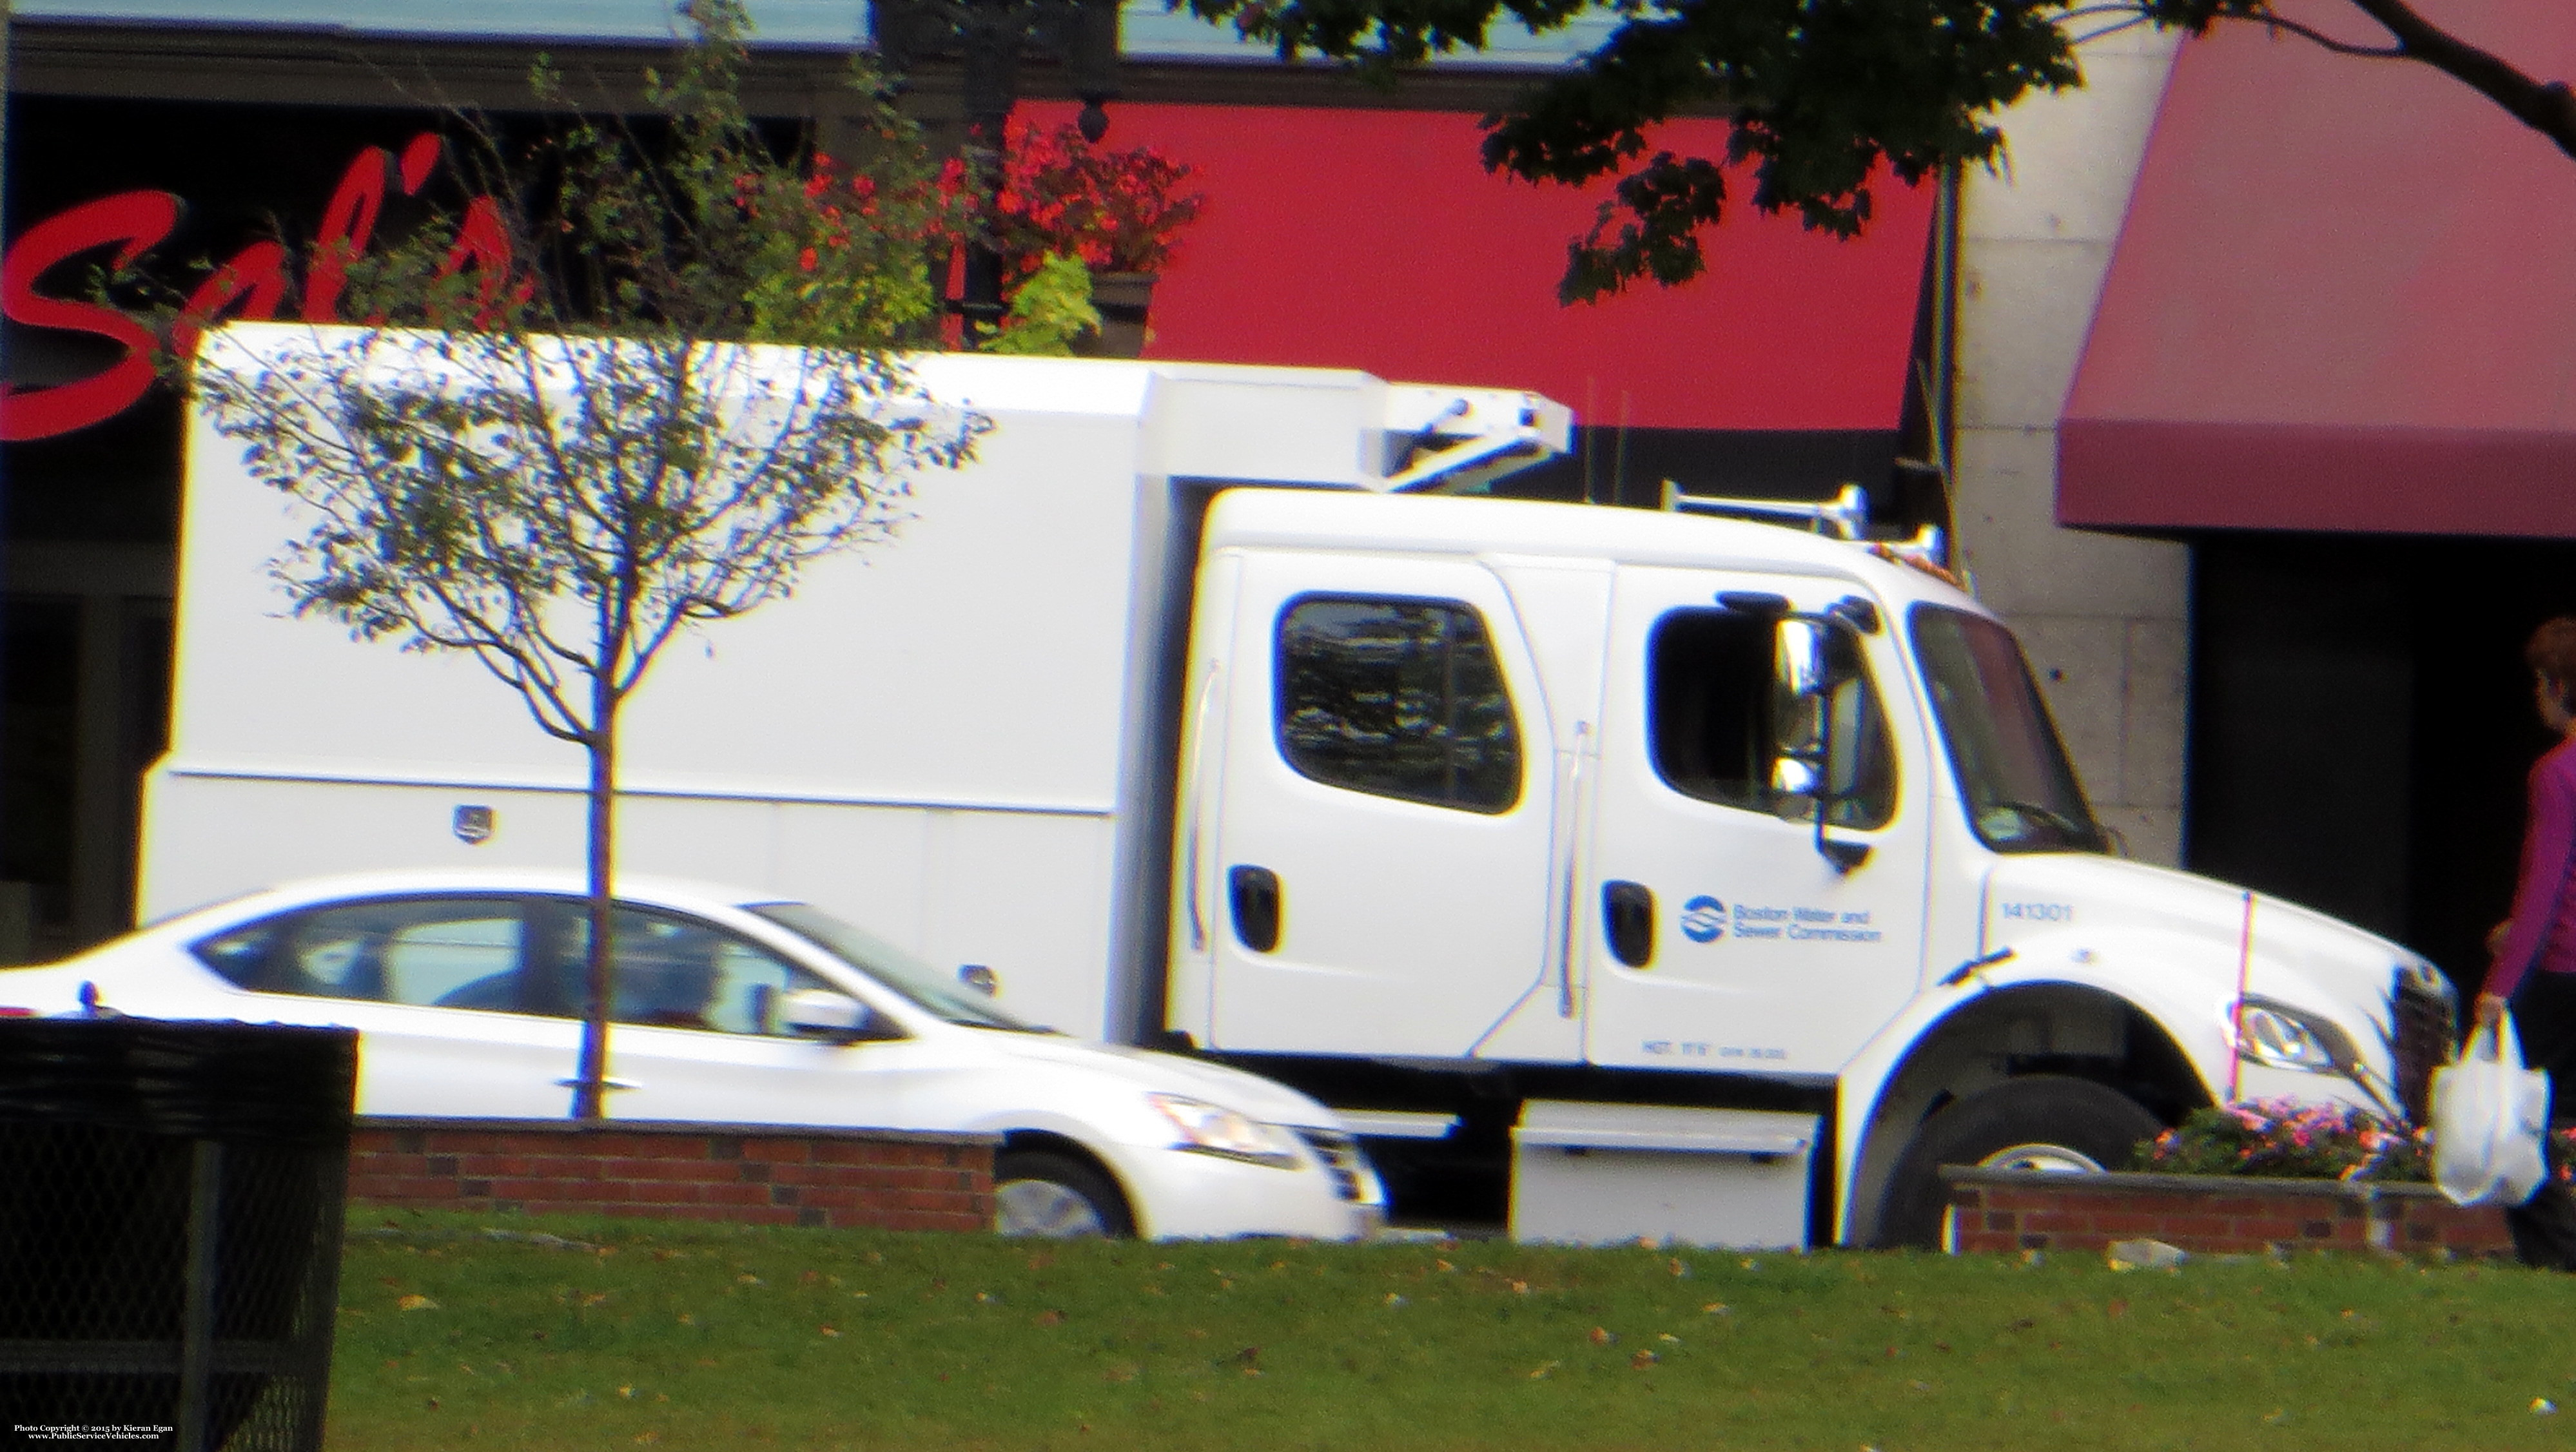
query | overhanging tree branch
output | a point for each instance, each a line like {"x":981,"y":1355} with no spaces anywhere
{"x":1829,"y":99}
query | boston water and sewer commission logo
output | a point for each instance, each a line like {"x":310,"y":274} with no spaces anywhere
{"x":1703,"y":919}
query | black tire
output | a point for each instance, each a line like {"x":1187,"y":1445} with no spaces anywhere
{"x":1052,"y":1196}
{"x":2074,"y":1123}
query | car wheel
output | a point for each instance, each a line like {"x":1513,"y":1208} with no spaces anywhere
{"x":2046,"y":1122}
{"x":1056,"y":1197}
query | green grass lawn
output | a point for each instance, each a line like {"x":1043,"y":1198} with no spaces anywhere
{"x":688,"y":1336}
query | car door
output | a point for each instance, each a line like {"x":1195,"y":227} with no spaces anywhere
{"x":433,"y":985}
{"x":1377,"y":860}
{"x":1722,"y":937}
{"x":696,"y":1034}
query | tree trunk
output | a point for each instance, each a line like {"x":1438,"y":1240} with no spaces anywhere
{"x":590,"y":1092}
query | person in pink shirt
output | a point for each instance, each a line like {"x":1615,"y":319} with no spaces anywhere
{"x":2532,"y":965}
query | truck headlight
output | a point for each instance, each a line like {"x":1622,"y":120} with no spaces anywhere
{"x":2282,"y":1037}
{"x":1214,"y":1129}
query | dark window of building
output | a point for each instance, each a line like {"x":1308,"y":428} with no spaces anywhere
{"x":1397,"y":698}
{"x":39,"y":764}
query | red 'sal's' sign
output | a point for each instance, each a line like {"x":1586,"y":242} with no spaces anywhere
{"x":253,"y":283}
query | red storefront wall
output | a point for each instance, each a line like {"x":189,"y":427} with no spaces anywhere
{"x":1376,"y":240}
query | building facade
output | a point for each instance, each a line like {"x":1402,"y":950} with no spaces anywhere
{"x":2247,"y":399}
{"x":1345,"y":227}
{"x":2266,"y":416}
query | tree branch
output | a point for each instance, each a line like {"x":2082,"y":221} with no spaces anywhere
{"x":2546,"y":107}
{"x":2264,"y":15}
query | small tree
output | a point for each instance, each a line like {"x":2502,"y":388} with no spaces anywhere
{"x":574,"y":444}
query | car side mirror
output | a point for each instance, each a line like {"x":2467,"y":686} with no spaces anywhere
{"x":826,"y":1014}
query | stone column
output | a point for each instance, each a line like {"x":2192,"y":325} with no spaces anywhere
{"x":2105,"y":618}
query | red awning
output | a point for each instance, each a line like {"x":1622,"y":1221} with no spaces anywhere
{"x":2344,"y":298}
{"x":1376,"y":240}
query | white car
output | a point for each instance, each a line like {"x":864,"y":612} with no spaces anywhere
{"x":467,"y":990}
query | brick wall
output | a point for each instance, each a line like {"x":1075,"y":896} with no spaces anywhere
{"x":2014,"y":1210}
{"x":755,"y":1174}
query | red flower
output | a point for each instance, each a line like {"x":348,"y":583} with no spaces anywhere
{"x":807,"y":260}
{"x":1117,"y":210}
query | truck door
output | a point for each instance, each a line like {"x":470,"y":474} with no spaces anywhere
{"x":1375,"y":860}
{"x":1722,"y":937}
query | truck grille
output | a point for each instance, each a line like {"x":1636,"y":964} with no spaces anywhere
{"x":2422,"y":1036}
{"x":1341,"y":1155}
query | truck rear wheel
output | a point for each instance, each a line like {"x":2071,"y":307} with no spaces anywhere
{"x":1056,"y":1197}
{"x":2043,"y":1122}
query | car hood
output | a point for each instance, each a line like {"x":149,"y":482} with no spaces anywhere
{"x":1149,"y":1070}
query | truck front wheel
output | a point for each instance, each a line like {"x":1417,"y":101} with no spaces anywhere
{"x":2043,"y":1122}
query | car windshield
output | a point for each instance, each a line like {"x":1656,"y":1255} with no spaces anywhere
{"x":882,"y":961}
{"x":2020,"y":791}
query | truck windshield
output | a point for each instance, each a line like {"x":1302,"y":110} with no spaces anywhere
{"x":2020,"y":791}
{"x":887,"y":964}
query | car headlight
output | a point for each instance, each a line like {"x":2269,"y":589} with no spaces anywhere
{"x":2282,"y":1037}
{"x":1213,"y":1129}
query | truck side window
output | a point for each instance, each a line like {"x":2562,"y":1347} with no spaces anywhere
{"x":1723,"y":711}
{"x":1397,"y":698}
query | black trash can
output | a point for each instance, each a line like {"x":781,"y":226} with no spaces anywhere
{"x":170,"y":1217}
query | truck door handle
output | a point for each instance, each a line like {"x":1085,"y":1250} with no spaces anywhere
{"x":1628,"y":914}
{"x":1255,"y":894}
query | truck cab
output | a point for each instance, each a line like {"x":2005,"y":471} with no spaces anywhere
{"x":1482,"y":801}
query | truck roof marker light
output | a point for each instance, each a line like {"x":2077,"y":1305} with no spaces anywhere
{"x":1862,"y":615}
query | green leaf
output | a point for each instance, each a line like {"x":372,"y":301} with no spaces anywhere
{"x":1049,"y":309}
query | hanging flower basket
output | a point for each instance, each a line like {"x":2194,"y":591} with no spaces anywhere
{"x":1123,"y":300}
{"x":1118,"y":213}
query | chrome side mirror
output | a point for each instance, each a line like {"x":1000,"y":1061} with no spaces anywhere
{"x":1815,"y":665}
{"x":1794,"y":781}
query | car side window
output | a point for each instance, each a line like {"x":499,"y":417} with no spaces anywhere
{"x":670,"y":971}
{"x":1727,"y":705}
{"x":1397,"y":698}
{"x":426,"y":952}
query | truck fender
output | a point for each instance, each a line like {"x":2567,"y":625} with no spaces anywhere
{"x":2076,"y":1013}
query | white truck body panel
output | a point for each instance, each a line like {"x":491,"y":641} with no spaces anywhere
{"x":947,"y":738}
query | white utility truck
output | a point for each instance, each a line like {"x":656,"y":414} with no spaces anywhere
{"x":1207,"y":708}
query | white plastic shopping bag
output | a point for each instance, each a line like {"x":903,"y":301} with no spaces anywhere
{"x":2489,"y":1114}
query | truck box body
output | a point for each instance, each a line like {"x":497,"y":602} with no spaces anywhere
{"x":953,"y":738}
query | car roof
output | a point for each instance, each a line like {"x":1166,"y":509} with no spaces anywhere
{"x":672,"y":892}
